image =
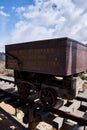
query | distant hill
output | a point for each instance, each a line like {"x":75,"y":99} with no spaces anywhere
{"x":2,"y":56}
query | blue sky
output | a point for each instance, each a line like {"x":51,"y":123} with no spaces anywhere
{"x":30,"y":20}
{"x":8,"y":18}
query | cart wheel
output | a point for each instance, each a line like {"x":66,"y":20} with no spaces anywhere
{"x":24,"y":89}
{"x":48,"y":97}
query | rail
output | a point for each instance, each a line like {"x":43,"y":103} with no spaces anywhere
{"x":35,"y":111}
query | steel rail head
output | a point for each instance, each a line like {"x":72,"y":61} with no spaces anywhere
{"x":81,"y":121}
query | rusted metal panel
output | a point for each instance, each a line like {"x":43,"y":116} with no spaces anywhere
{"x":61,"y":57}
{"x":76,"y":57}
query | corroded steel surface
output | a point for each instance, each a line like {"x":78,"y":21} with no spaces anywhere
{"x":61,"y":57}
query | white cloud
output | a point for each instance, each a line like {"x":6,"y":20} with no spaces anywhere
{"x":80,"y":3}
{"x":2,"y":47}
{"x":3,"y":28}
{"x":2,"y":13}
{"x":1,"y":7}
{"x":51,"y":18}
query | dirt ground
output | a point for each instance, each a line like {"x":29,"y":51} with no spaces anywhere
{"x":5,"y":124}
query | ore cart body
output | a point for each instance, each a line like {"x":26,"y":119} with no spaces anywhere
{"x":61,"y":57}
{"x":38,"y":65}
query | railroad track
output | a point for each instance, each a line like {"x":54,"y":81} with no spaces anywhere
{"x":74,"y":112}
